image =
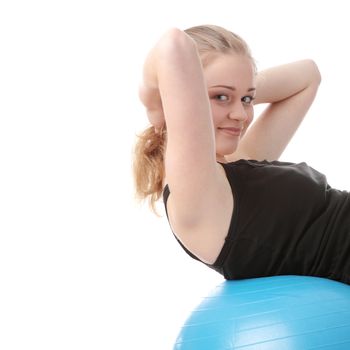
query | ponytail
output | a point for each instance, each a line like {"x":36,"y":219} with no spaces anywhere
{"x":148,"y":165}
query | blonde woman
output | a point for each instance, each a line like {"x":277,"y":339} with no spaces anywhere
{"x":230,"y":203}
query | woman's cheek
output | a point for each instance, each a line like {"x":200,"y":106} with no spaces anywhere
{"x":249,"y":120}
{"x":247,"y":123}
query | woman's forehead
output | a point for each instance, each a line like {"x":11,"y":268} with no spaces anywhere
{"x":231,"y":70}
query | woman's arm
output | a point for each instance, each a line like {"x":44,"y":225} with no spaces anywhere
{"x":149,"y":91}
{"x":290,"y":90}
{"x":200,"y":203}
{"x":173,"y":68}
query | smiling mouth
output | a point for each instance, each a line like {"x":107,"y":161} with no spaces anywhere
{"x":231,"y":131}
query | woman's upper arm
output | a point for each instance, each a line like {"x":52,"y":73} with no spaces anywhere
{"x":190,"y":159}
{"x":290,"y":93}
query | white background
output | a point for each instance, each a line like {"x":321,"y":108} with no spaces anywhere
{"x":82,"y":265}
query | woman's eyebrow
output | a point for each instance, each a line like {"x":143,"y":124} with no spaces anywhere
{"x":232,"y":87}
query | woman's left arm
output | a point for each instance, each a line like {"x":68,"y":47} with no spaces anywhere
{"x":290,"y":90}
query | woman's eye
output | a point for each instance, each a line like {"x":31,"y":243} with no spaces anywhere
{"x":247,"y":99}
{"x":222,"y":97}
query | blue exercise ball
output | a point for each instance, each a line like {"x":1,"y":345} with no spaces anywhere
{"x":271,"y":313}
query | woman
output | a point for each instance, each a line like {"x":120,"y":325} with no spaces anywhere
{"x":230,"y":202}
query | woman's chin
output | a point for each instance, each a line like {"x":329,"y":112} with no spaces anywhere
{"x":224,"y":158}
{"x":227,"y":151}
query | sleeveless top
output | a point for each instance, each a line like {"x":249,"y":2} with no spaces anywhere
{"x":287,"y":220}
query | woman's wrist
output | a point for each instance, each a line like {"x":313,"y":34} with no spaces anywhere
{"x":278,"y":83}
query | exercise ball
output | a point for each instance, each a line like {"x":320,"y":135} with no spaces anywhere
{"x":270,"y":313}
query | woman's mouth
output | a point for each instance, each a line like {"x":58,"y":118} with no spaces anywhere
{"x":231,"y":131}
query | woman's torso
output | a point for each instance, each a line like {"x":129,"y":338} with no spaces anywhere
{"x":279,"y":209}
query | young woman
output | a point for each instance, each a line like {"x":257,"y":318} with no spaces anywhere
{"x":230,"y":202}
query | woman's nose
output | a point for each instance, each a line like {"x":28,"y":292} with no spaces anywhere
{"x":238,"y":112}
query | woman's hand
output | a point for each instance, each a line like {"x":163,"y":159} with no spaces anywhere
{"x":151,"y":99}
{"x":289,"y":90}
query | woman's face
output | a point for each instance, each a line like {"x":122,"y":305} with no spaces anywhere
{"x":230,"y":81}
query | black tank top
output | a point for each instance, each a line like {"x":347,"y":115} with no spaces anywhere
{"x":286,"y":220}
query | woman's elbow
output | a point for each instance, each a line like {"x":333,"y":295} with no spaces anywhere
{"x":315,"y":74}
{"x":175,"y":43}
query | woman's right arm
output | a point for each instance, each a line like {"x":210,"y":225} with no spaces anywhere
{"x":173,"y":81}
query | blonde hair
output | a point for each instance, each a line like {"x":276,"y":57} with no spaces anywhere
{"x":148,"y":162}
{"x":148,"y":165}
{"x":212,"y":39}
